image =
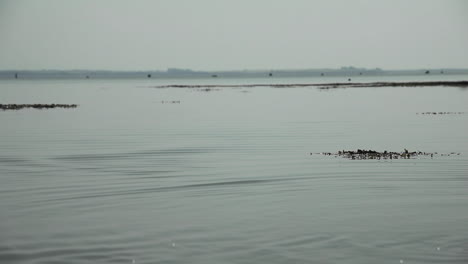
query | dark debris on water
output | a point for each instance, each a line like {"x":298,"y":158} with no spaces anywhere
{"x":362,"y":154}
{"x":35,"y":106}
{"x":441,"y":113}
{"x":349,"y":84}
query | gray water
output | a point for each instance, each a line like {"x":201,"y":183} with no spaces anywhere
{"x":226,"y":176}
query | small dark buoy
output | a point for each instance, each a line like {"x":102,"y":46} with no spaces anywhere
{"x":427,"y":72}
{"x":214,"y":75}
{"x":149,"y":75}
{"x":270,"y":74}
{"x":349,"y":79}
{"x":360,"y":73}
{"x":322,"y":74}
{"x":16,"y":75}
{"x":87,"y":77}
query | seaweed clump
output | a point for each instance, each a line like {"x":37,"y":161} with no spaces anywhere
{"x":441,"y":113}
{"x":35,"y":106}
{"x":362,"y":154}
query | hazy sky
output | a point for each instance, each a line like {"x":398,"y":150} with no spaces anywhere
{"x":240,"y":34}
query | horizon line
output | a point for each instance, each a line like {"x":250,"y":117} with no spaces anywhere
{"x":238,"y":70}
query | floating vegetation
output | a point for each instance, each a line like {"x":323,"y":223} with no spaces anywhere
{"x":394,"y":84}
{"x":441,"y":113}
{"x":35,"y":106}
{"x":323,"y":85}
{"x":362,"y":154}
{"x":208,"y":89}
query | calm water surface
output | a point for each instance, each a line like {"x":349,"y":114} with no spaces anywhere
{"x":226,"y":176}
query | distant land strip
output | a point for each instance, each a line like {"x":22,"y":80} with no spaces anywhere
{"x":36,"y":106}
{"x":323,"y":85}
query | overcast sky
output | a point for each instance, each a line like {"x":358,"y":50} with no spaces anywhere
{"x":231,"y":35}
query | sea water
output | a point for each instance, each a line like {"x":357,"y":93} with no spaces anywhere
{"x":138,"y":174}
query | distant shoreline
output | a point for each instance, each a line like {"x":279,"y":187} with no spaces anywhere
{"x":174,"y":73}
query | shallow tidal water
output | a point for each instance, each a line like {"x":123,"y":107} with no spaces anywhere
{"x":137,"y":174}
